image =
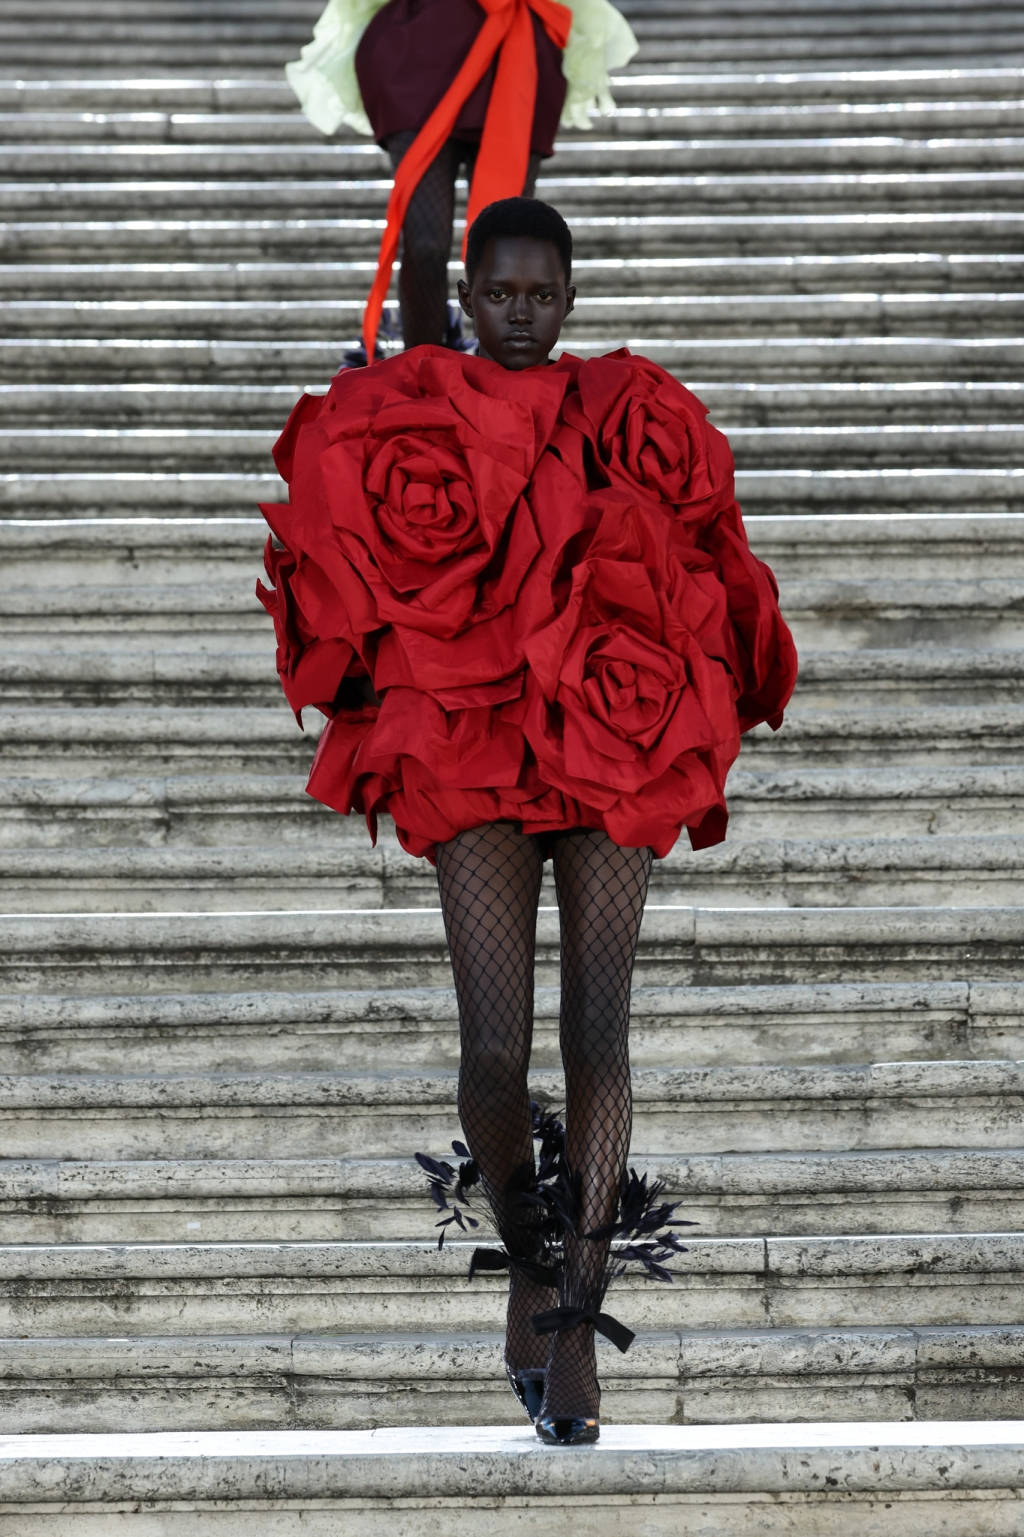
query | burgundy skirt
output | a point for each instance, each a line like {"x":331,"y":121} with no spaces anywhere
{"x":411,"y":52}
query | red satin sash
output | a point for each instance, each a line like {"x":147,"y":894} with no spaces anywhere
{"x":504,"y":153}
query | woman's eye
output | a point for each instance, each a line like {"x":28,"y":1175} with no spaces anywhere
{"x":495,"y":293}
{"x":545,"y":295}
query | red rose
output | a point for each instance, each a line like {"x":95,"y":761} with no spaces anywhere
{"x":621,"y":702}
{"x":649,"y":436}
{"x":311,"y":667}
{"x":423,"y":489}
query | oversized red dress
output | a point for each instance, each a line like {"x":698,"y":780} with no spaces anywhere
{"x":544,"y":575}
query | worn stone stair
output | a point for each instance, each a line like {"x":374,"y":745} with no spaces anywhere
{"x":226,"y":1021}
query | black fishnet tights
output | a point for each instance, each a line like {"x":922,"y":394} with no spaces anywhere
{"x":427,"y":237}
{"x":489,"y":879}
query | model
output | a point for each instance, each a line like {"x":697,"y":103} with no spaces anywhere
{"x":521,"y":591}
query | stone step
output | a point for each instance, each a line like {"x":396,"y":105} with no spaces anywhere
{"x":793,"y":1480}
{"x":369,"y":1200}
{"x":806,"y":359}
{"x":167,"y":449}
{"x":677,"y":1112}
{"x":859,"y":315}
{"x":826,"y":616}
{"x":41,"y":125}
{"x":309,"y":161}
{"x":839,"y":868}
{"x":730,"y":25}
{"x":311,"y":1031}
{"x":731,"y":403}
{"x":387,"y":1288}
{"x":95,"y":494}
{"x":642,"y":87}
{"x":361,"y":1381}
{"x":308,"y":238}
{"x":168,"y":557}
{"x":166,"y":811}
{"x":401,"y":947}
{"x":710,"y":48}
{"x":906,"y":274}
{"x":967,"y":191}
{"x":207,"y":672}
{"x":909,"y":732}
{"x":887,"y":48}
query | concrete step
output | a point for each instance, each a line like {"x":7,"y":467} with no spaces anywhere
{"x":644,"y":87}
{"x":816,"y":1194}
{"x":731,"y":403}
{"x":677,"y":1112}
{"x":149,"y":671}
{"x":983,"y":193}
{"x":591,"y":155}
{"x":303,"y":237}
{"x":309,"y":1031}
{"x":710,"y":48}
{"x":733,"y":24}
{"x":38,"y":124}
{"x":167,"y":449}
{"x":861,"y":315}
{"x":978,"y":47}
{"x":387,"y":1288}
{"x":167,"y":558}
{"x":311,"y":364}
{"x":842,"y":867}
{"x":90,"y":494}
{"x":903,"y":273}
{"x":912,"y":730}
{"x":794,"y":1480}
{"x":405,"y":947}
{"x":362,"y":1381}
{"x":44,"y":811}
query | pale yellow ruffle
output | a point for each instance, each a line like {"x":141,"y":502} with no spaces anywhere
{"x":323,"y":77}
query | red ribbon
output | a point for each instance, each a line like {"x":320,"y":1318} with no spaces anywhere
{"x":504,"y":153}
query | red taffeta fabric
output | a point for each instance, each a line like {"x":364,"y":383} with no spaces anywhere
{"x":545,"y":577}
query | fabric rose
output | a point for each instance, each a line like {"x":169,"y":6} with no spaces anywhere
{"x":421,"y":488}
{"x":623,"y":709}
{"x":647,"y":434}
{"x":428,"y":767}
{"x":313,"y":669}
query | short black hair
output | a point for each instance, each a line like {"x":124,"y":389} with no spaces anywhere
{"x":512,"y":216}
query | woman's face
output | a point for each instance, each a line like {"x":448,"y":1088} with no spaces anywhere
{"x":518,"y":300}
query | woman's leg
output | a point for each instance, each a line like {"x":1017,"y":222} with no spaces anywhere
{"x":426,"y":244}
{"x":489,"y":879}
{"x":601,"y":893}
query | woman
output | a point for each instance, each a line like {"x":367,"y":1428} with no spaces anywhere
{"x":522,"y":593}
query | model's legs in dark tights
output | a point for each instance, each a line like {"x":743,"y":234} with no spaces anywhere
{"x":601,"y":893}
{"x":427,"y":238}
{"x":489,"y":880}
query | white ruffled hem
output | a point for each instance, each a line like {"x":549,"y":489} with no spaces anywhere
{"x":323,"y":77}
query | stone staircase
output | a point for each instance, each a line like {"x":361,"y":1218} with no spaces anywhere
{"x":226,"y":1022}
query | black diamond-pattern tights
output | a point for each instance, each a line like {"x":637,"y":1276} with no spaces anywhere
{"x":489,"y":880}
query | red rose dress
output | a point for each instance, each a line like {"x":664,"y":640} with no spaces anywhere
{"x":545,"y":577}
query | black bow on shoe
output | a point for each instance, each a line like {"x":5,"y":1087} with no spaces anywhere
{"x":568,"y":1318}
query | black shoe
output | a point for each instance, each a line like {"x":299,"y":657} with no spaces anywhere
{"x":528,"y":1386}
{"x":570,"y":1431}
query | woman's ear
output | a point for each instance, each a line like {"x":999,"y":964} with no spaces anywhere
{"x":464,"y":299}
{"x":570,"y":298}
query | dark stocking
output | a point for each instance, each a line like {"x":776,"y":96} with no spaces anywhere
{"x":427,"y":238}
{"x":601,"y":893}
{"x":489,"y":879}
